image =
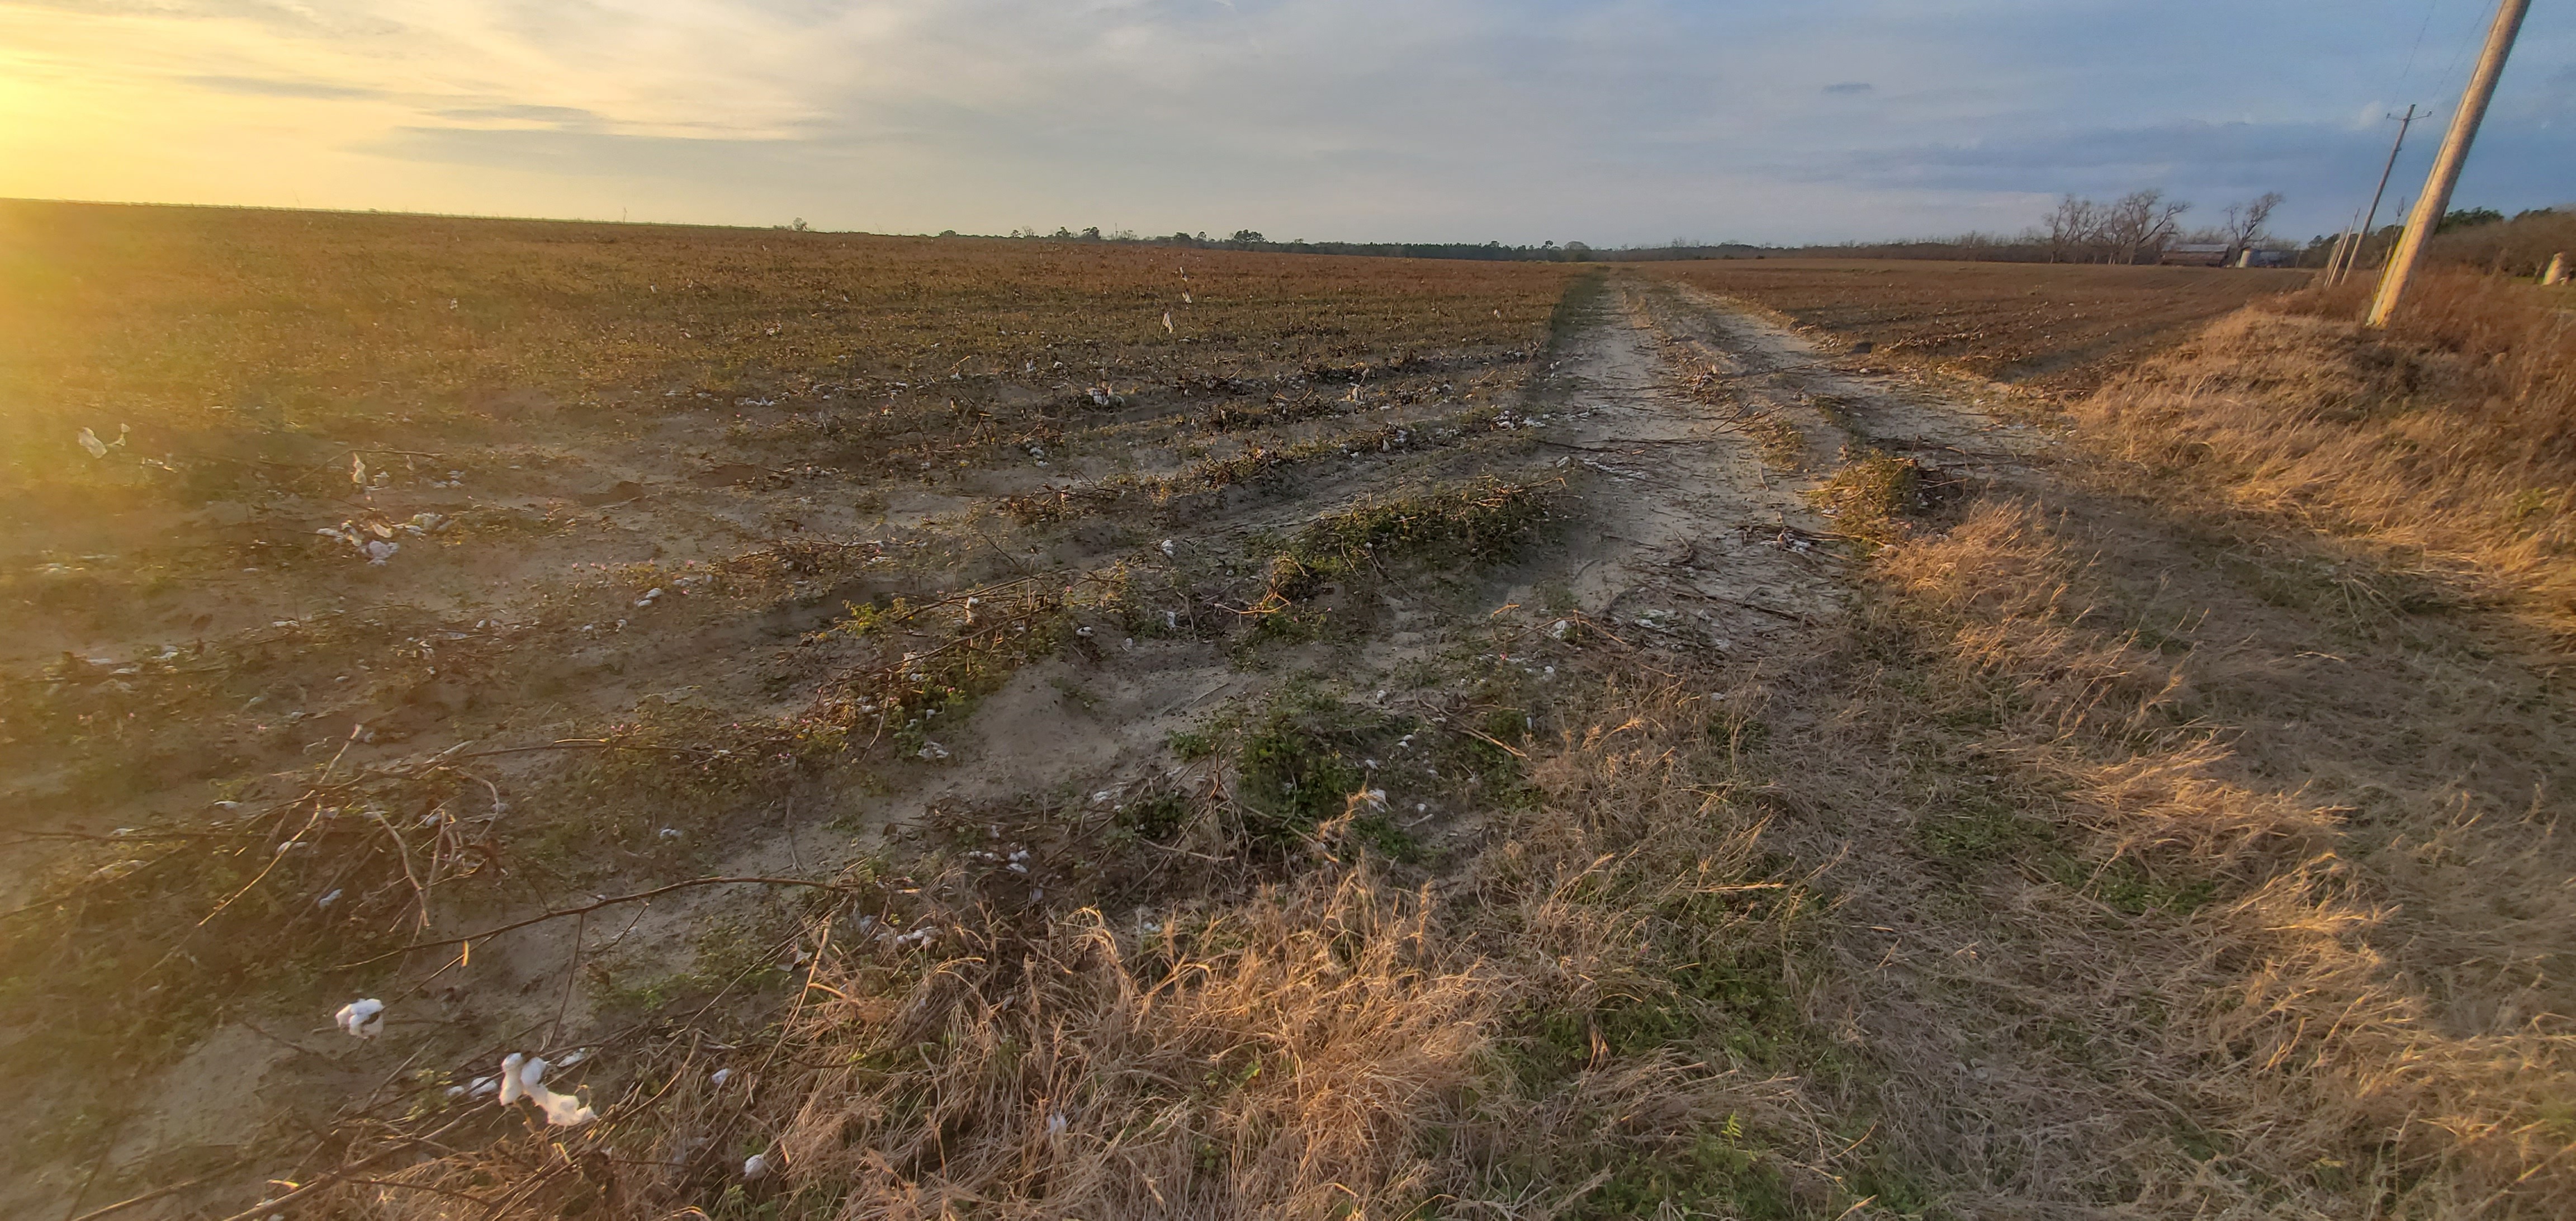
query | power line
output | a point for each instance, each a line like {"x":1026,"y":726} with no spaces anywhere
{"x":2430,"y":7}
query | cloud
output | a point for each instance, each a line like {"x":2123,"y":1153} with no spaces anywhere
{"x":2324,"y":167}
{"x":560,"y":116}
{"x":1620,"y":120}
{"x":255,"y":87}
{"x":593,"y":153}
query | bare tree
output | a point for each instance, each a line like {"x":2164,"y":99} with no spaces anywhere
{"x":2073,"y":229}
{"x":2245,"y":221}
{"x":2139,"y":223}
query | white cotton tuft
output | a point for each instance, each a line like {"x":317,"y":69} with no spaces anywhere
{"x":379,"y":551}
{"x":719,"y":1077}
{"x":563,"y":1110}
{"x":522,"y":1076}
{"x":364,"y":1019}
{"x":755,"y":1167}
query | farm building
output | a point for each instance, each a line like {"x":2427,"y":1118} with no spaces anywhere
{"x":2197,"y":254}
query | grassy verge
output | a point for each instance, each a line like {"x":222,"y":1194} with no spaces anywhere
{"x":2446,"y":445}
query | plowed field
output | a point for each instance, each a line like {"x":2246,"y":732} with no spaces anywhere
{"x":2058,"y":329}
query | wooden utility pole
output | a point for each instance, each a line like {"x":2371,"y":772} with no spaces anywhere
{"x":2404,"y":121}
{"x":2345,"y":243}
{"x":2447,"y":163}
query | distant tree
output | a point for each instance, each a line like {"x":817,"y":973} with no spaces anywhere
{"x":2141,"y":223}
{"x":2467,"y":218}
{"x":1063,"y":234}
{"x":1091,"y":233}
{"x":2074,"y":229}
{"x":1247,"y":237}
{"x":2245,"y":221}
{"x":799,"y":226}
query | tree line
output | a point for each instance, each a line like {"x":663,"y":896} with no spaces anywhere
{"x":2142,"y":225}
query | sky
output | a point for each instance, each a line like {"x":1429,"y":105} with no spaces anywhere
{"x":1613,"y":122}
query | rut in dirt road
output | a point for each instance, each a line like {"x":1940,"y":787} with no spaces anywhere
{"x":1704,"y":427}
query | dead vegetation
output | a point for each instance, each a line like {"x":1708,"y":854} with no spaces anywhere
{"x":2207,"y":909}
{"x":2448,"y":444}
{"x":2233,"y":880}
{"x":1592,"y":1020}
{"x":2166,"y":830}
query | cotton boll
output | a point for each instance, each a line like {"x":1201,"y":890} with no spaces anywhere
{"x":363,"y":1019}
{"x":719,"y":1077}
{"x":511,"y":1086}
{"x":563,"y":1110}
{"x":525,"y":1077}
{"x":755,"y":1167}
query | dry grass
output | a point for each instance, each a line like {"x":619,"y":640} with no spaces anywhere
{"x":2519,"y":247}
{"x":2325,"y":1022}
{"x":1336,"y":1044}
{"x":1597,"y":1018}
{"x":2198,"y":843}
{"x":2451,"y":440}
